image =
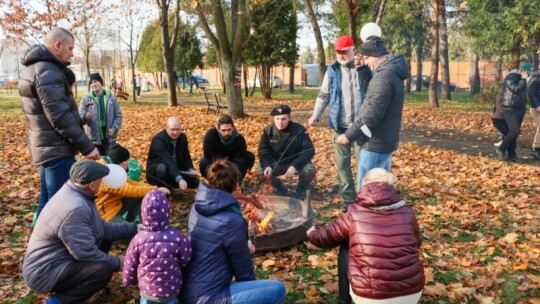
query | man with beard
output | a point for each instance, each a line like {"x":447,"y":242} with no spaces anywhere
{"x":342,"y":91}
{"x":224,"y":142}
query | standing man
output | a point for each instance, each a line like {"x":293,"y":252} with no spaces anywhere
{"x":533,"y":95}
{"x":514,"y":102}
{"x":286,"y":149}
{"x":55,"y":133}
{"x":342,"y":91}
{"x":224,"y":142}
{"x":63,"y":255}
{"x":100,"y":114}
{"x":169,"y":162}
{"x":138,"y":84}
{"x":377,"y":127}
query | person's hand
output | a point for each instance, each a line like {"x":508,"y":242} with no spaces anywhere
{"x":313,"y":120}
{"x":139,"y":227}
{"x":342,"y":140}
{"x":93,"y":155}
{"x":538,"y":109}
{"x":193,"y":172}
{"x":111,"y":132}
{"x":358,"y":60}
{"x":182,"y":184}
{"x":251,"y":247}
{"x":88,"y":116}
{"x":164,"y":190}
{"x":310,"y":230}
{"x":267,"y":171}
{"x":290,"y":172}
{"x":121,"y":257}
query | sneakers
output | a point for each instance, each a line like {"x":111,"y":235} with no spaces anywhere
{"x":536,"y":153}
{"x":501,"y":155}
{"x":497,"y":143}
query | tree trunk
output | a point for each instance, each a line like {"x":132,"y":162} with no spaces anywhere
{"x":234,"y":93}
{"x":134,"y":90}
{"x":516,"y":54}
{"x":474,"y":80}
{"x":167,"y":44}
{"x":291,"y":78}
{"x":499,"y":68}
{"x":244,"y":79}
{"x":433,"y":99}
{"x":351,"y":20}
{"x":445,"y":64}
{"x":408,"y":55}
{"x":380,"y":12}
{"x":318,"y":38}
{"x":419,"y":58}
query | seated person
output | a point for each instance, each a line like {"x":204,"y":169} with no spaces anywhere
{"x":220,"y":247}
{"x":384,"y":264}
{"x":286,"y":149}
{"x":169,"y":162}
{"x":111,"y":203}
{"x":224,"y":142}
{"x":62,"y":256}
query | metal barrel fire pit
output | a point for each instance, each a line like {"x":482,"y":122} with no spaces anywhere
{"x":291,"y":219}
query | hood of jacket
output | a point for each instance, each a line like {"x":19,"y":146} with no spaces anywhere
{"x":155,"y":211}
{"x":395,"y":64}
{"x":38,"y":52}
{"x":377,"y":194}
{"x":209,"y":201}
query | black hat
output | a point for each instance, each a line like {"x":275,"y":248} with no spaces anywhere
{"x":70,"y":76}
{"x":374,"y":47}
{"x":118,"y":154}
{"x":86,"y":171}
{"x":96,"y":76}
{"x":280,"y":110}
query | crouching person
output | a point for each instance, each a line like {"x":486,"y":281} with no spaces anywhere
{"x":62,"y":255}
{"x":384,"y":264}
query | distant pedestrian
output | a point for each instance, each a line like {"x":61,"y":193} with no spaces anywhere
{"x":113,"y":85}
{"x":138,"y":84}
{"x":498,"y":116}
{"x":533,"y":95}
{"x":55,"y":135}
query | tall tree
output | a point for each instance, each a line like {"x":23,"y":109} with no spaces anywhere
{"x":351,"y":11}
{"x":321,"y":58}
{"x":380,"y":12}
{"x":443,"y":50}
{"x":306,"y":57}
{"x":293,"y":50}
{"x":433,"y":78}
{"x":168,"y":43}
{"x":228,"y":41}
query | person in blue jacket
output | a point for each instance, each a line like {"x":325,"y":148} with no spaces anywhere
{"x":221,"y":248}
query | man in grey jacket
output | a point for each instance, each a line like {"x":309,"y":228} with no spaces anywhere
{"x":377,"y":128}
{"x":55,"y":134}
{"x":63,"y":255}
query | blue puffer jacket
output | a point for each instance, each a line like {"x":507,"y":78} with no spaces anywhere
{"x":219,"y":240}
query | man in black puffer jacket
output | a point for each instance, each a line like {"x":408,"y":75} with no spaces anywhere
{"x":533,"y":95}
{"x":55,"y":133}
{"x":514,"y":101}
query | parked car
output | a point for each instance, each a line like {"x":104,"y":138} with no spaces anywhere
{"x":2,"y":82}
{"x":276,"y":82}
{"x":199,"y":81}
{"x":425,"y":83}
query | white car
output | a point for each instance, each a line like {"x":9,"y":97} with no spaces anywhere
{"x":276,"y":82}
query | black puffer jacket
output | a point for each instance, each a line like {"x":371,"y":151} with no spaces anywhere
{"x":382,"y":109}
{"x":54,"y":126}
{"x":533,"y":91}
{"x":514,"y":93}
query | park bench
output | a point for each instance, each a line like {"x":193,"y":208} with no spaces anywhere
{"x":214,"y":104}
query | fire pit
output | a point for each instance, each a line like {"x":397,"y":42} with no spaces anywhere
{"x":289,"y":218}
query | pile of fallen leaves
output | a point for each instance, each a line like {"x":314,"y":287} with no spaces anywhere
{"x":479,"y":217}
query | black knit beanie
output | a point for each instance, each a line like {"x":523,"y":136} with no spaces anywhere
{"x":70,"y":76}
{"x":95,"y":76}
{"x":374,"y":47}
{"x":118,"y":154}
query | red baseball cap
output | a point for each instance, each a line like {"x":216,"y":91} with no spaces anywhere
{"x":343,"y":43}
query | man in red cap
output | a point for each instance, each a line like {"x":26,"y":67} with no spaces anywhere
{"x":342,"y":91}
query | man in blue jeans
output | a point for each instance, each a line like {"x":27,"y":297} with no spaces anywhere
{"x":55,"y":133}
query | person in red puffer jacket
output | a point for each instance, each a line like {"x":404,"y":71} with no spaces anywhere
{"x":384,"y":238}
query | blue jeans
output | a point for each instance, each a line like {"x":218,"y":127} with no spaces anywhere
{"x":53,"y":174}
{"x":170,"y":300}
{"x":258,"y":292}
{"x":369,"y":160}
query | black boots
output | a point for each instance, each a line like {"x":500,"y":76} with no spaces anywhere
{"x":536,"y":153}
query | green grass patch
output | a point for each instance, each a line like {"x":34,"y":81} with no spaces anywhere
{"x":451,"y":276}
{"x":460,"y":101}
{"x":13,"y":239}
{"x":510,"y":289}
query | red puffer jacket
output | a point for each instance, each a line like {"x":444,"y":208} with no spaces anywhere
{"x":383,"y":258}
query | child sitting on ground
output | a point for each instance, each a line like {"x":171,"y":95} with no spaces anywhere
{"x":156,"y":254}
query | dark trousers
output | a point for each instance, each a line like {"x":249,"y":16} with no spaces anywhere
{"x":343,"y":274}
{"x":159,"y":175}
{"x":81,"y":280}
{"x":138,"y":91}
{"x":244,"y":163}
{"x":514,"y":118}
{"x":53,"y":174}
{"x":104,"y":147}
{"x":501,"y":125}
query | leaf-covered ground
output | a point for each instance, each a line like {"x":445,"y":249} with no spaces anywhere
{"x":479,"y":216}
